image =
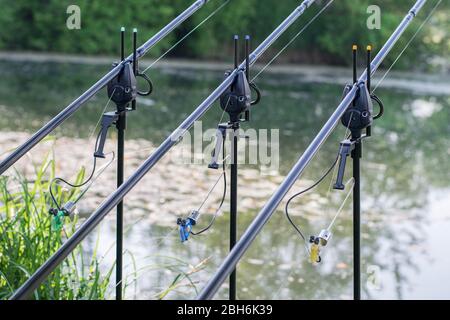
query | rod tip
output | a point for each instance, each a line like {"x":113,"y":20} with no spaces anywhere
{"x":247,"y":37}
{"x":122,"y":29}
{"x":236,"y":37}
{"x":134,"y":30}
{"x":369,"y":48}
{"x":354,"y":47}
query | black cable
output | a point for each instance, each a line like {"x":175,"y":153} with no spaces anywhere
{"x":223,"y":195}
{"x":286,"y":211}
{"x":71,"y":184}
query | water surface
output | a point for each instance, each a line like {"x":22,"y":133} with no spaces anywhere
{"x":405,"y":185}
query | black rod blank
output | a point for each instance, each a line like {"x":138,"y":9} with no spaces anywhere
{"x":41,"y":274}
{"x":264,"y":215}
{"x":88,"y":94}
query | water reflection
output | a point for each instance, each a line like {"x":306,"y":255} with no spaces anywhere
{"x":405,"y":166}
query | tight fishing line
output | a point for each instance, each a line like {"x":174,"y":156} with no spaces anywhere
{"x":100,"y":117}
{"x":408,"y":44}
{"x":314,"y":185}
{"x":293,"y":39}
{"x":341,"y":207}
{"x":187,"y":35}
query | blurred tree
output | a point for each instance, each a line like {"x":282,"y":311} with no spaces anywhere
{"x":41,"y":26}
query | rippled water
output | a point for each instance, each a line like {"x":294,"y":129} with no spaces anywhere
{"x":405,"y":183}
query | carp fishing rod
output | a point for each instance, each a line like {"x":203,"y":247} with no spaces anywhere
{"x":88,"y":94}
{"x":351,"y":93}
{"x":117,"y":196}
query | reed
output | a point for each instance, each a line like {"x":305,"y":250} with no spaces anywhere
{"x":27,"y":240}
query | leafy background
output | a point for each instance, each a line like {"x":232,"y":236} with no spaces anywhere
{"x":30,"y":25}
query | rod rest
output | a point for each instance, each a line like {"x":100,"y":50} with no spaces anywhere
{"x":345,"y":148}
{"x":108,"y":119}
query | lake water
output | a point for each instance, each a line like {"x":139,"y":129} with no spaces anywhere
{"x":405,"y":182}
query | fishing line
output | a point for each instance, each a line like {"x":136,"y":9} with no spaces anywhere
{"x":187,"y":35}
{"x":293,"y":39}
{"x":286,"y":208}
{"x":100,"y":118}
{"x":57,"y":179}
{"x":322,"y":178}
{"x":408,"y":44}
{"x":209,"y":192}
{"x":94,"y":163}
{"x":73,"y":185}
{"x":224,"y":110}
{"x":186,"y":225}
{"x":219,"y":209}
{"x":352,"y":181}
{"x":332,"y":167}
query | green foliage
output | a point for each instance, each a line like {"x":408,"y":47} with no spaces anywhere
{"x":28,"y":241}
{"x":41,"y":26}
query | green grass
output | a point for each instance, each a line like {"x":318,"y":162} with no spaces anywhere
{"x":27,"y":241}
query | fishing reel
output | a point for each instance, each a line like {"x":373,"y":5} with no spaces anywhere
{"x":316,"y":243}
{"x":186,"y":225}
{"x":237,"y":98}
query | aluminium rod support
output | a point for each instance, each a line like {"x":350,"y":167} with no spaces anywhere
{"x":97,"y":216}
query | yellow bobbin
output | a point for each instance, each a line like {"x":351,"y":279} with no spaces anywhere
{"x":314,"y":255}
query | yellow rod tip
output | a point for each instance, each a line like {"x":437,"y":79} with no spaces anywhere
{"x":369,"y":48}
{"x":354,"y":47}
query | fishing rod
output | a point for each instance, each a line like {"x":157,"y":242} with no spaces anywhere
{"x":41,"y":274}
{"x":88,"y":94}
{"x":230,"y":262}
